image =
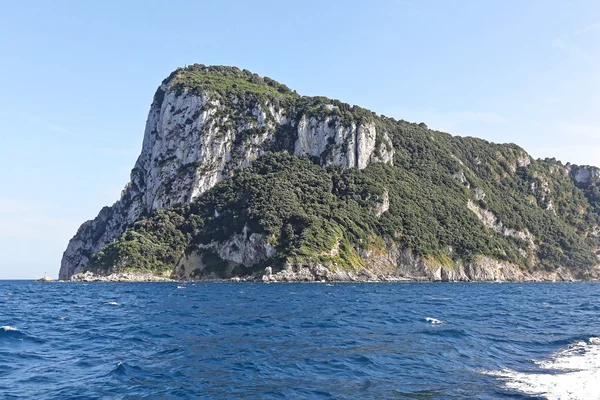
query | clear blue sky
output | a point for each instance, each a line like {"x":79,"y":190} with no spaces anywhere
{"x":77,"y":79}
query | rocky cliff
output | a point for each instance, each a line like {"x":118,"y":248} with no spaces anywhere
{"x":194,"y":139}
{"x":352,"y":189}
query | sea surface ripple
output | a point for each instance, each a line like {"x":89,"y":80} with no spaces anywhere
{"x":299,"y":341}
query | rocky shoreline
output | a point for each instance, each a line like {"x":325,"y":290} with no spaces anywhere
{"x":118,"y":277}
{"x":317,"y":274}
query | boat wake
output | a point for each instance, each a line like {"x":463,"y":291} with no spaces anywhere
{"x":571,"y":373}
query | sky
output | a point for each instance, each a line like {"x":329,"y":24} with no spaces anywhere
{"x":77,"y":79}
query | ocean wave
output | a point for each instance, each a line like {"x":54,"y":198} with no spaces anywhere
{"x":434,"y":320}
{"x":438,"y":298}
{"x":8,"y":328}
{"x":123,"y":369}
{"x":571,"y":373}
{"x":10,"y":332}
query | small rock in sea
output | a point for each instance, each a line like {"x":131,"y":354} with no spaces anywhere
{"x":45,"y":278}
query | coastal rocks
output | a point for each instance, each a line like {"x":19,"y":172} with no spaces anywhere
{"x":118,"y":277}
{"x":310,"y":272}
{"x":404,"y":266}
{"x":45,"y":278}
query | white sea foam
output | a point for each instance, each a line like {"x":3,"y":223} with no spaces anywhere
{"x":7,"y":328}
{"x":434,"y":320}
{"x":180,"y":287}
{"x":571,"y":373}
{"x":112,"y":303}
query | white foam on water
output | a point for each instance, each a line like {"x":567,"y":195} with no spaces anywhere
{"x":112,"y":303}
{"x":434,"y":320}
{"x":7,"y":328}
{"x":180,"y":287}
{"x":571,"y":373}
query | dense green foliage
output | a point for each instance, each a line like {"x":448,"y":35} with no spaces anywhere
{"x":305,"y":210}
{"x":153,"y":244}
{"x":226,"y":81}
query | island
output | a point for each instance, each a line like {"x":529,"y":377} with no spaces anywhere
{"x":242,"y":178}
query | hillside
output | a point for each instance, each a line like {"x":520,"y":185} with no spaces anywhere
{"x":240,"y":175}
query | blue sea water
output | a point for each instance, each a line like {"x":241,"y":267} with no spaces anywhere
{"x":313,"y":341}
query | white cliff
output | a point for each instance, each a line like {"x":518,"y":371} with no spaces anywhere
{"x":583,"y":175}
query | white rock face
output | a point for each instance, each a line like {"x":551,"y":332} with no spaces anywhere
{"x":583,"y":175}
{"x":380,"y":207}
{"x":192,"y":142}
{"x":245,"y":249}
{"x":352,"y":146}
{"x":490,"y":220}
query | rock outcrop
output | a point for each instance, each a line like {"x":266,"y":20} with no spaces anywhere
{"x":583,"y":175}
{"x":129,"y":277}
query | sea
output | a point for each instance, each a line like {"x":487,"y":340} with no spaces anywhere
{"x":299,"y":340}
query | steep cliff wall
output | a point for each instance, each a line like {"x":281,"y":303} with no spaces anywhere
{"x":195,"y":138}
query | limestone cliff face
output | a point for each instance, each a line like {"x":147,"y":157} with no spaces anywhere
{"x":388,"y":264}
{"x":583,"y":175}
{"x":194,"y":140}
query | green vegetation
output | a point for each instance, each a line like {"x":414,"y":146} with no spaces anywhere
{"x":226,"y":81}
{"x":306,"y":210}
{"x":152,"y":244}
